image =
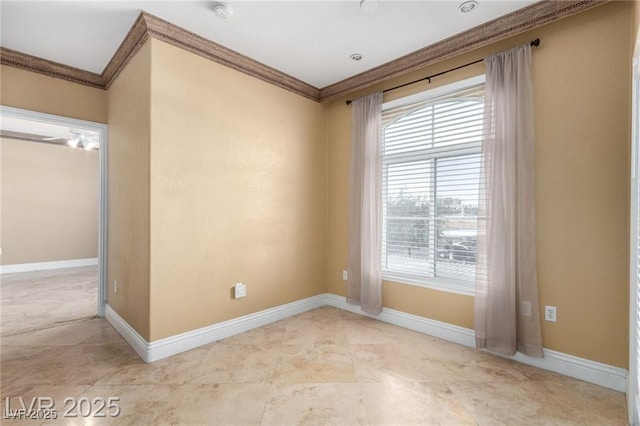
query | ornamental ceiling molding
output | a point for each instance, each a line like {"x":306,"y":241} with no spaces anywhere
{"x":147,"y":25}
{"x":502,"y":28}
{"x":23,"y":61}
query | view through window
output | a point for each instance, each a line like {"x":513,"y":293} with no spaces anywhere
{"x":431,"y":169}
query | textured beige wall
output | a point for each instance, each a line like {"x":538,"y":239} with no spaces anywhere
{"x":636,"y":17}
{"x":49,"y":202}
{"x":36,"y":92}
{"x":128,"y":207}
{"x":635,"y":29}
{"x":582,"y":113}
{"x":583,"y":121}
{"x":238,"y":193}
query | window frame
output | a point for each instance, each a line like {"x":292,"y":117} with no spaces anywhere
{"x":435,"y":283}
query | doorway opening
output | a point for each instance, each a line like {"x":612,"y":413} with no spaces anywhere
{"x":53,"y":215}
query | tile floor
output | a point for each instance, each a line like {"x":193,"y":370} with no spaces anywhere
{"x":40,"y":299}
{"x":325,"y":366}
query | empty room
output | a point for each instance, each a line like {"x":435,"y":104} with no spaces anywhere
{"x":50,"y":221}
{"x":320,"y":212}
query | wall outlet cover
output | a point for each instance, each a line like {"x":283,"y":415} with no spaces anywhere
{"x":239,"y":290}
{"x":550,"y":313}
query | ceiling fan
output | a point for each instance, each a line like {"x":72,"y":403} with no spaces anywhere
{"x":54,"y":134}
{"x":75,"y":139}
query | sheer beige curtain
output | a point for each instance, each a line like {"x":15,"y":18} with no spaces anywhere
{"x":506,"y":301}
{"x":365,"y":227}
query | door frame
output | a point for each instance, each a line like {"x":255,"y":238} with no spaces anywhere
{"x":6,"y":111}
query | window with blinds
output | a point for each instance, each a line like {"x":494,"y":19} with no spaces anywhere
{"x":430,"y":186}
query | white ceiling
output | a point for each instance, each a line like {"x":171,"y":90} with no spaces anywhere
{"x":309,"y":40}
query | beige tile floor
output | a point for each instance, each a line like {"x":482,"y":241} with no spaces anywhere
{"x":325,"y":366}
{"x":40,"y":299}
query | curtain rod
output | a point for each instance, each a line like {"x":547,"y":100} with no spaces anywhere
{"x":534,"y":43}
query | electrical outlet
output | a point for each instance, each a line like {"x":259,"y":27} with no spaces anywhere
{"x":550,"y":313}
{"x":239,"y":290}
{"x":115,"y":286}
{"x":345,"y":274}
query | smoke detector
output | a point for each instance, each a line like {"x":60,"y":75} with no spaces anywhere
{"x":222,"y":10}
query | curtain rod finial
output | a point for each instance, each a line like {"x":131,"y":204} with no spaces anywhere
{"x":535,"y":43}
{"x":348,"y":102}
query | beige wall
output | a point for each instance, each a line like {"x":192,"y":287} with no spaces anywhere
{"x":635,"y":28}
{"x":238,"y":193}
{"x":214,"y":178}
{"x":36,"y":92}
{"x":636,"y":17}
{"x":49,"y":202}
{"x":583,"y":131}
{"x":582,"y":113}
{"x":129,"y":112}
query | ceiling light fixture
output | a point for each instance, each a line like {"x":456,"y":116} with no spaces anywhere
{"x":90,"y":144}
{"x":369,"y":5}
{"x":222,"y":10}
{"x":356,"y":56}
{"x":467,"y":6}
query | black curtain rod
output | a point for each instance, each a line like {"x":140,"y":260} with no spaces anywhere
{"x":534,"y":43}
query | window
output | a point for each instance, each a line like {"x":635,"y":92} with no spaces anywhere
{"x":430,"y":182}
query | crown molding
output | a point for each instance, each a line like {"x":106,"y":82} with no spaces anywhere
{"x":515,"y":23}
{"x":131,"y":43}
{"x":23,"y":61}
{"x":147,"y":25}
{"x":134,"y":39}
{"x":179,"y":37}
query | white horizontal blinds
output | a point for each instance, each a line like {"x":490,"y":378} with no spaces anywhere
{"x":431,"y":165}
{"x":406,"y":216}
{"x":456,"y":216}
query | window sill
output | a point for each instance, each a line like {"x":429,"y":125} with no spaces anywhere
{"x":449,"y":286}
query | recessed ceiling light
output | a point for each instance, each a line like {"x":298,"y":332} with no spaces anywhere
{"x":222,"y":10}
{"x":467,"y":6}
{"x":356,"y":56}
{"x":369,"y":5}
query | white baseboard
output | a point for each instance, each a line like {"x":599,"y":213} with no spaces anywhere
{"x":137,"y":342}
{"x":449,"y":332}
{"x":579,"y":368}
{"x":163,"y":348}
{"x":40,"y":266}
{"x":568,"y":365}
